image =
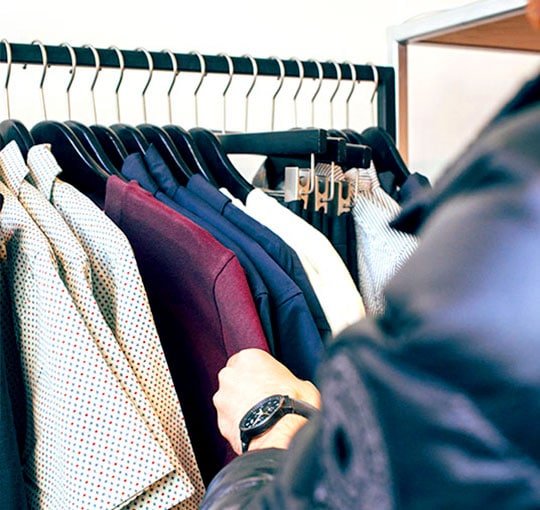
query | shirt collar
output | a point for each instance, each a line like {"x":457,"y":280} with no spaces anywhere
{"x":202,"y":188}
{"x":13,"y":169}
{"x":134,"y":168}
{"x":44,"y":168}
{"x":160,"y":172}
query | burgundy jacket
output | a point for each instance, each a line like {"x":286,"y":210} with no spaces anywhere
{"x":201,"y":302}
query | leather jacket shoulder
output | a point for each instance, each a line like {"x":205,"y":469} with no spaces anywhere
{"x":436,"y":403}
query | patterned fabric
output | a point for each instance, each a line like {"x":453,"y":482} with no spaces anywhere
{"x":120,"y":294}
{"x":83,"y":437}
{"x":381,"y":249}
{"x":327,"y":273}
{"x":327,"y":169}
{"x":74,"y":269}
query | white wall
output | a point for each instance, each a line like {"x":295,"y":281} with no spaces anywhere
{"x":344,"y":29}
{"x":340,"y":30}
{"x":453,"y":93}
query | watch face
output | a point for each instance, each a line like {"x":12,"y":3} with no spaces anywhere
{"x":260,"y":413}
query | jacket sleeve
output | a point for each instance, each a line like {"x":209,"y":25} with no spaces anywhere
{"x":389,"y":436}
{"x":431,"y":405}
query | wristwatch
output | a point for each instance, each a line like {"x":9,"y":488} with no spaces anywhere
{"x":268,"y":412}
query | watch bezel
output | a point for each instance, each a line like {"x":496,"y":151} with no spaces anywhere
{"x":262,"y":426}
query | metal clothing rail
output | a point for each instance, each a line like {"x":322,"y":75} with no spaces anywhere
{"x":60,"y":56}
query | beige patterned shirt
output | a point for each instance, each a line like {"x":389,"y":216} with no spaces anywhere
{"x":84,"y":436}
{"x":120,"y":295}
{"x":74,"y":268}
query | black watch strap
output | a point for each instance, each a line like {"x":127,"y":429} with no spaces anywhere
{"x":288,"y":406}
{"x":299,"y":407}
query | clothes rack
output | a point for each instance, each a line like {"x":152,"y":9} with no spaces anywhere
{"x":60,"y":56}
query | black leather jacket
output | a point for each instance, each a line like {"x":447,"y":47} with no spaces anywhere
{"x":436,"y":404}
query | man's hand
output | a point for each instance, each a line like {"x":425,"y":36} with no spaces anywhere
{"x":250,"y":376}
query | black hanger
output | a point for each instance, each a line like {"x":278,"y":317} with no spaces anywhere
{"x":387,"y":177}
{"x":330,"y":149}
{"x":338,"y":133}
{"x":356,"y":156}
{"x":102,"y":141}
{"x":283,"y":148}
{"x":221,"y":167}
{"x":168,"y":151}
{"x":132,"y":139}
{"x":276,"y":143}
{"x":386,"y":157}
{"x":189,"y":151}
{"x":353,"y":136}
{"x":294,"y":147}
{"x":111,"y":143}
{"x":90,"y":142}
{"x":359,"y":154}
{"x":15,"y":130}
{"x":298,"y":144}
{"x":78,"y":167}
{"x":346,"y":155}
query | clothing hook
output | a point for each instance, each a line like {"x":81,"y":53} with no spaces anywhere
{"x":332,"y":97}
{"x":45,"y":64}
{"x":255,"y":68}
{"x":375,"y":89}
{"x":72,"y":72}
{"x":97,"y":63}
{"x":175,"y":71}
{"x":353,"y":86}
{"x":9,"y":61}
{"x":231,"y":74}
{"x":122,"y":66}
{"x":301,"y":76}
{"x":311,"y":175}
{"x":150,"y":73}
{"x":332,"y":192}
{"x":281,"y":78}
{"x":317,"y":90}
{"x":202,"y":64}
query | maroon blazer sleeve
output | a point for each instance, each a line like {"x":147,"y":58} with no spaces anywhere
{"x":240,"y":324}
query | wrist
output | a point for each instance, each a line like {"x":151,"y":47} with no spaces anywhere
{"x":306,"y":392}
{"x":280,"y":434}
{"x":274,"y":421}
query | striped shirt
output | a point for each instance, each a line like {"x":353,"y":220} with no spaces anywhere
{"x":381,"y":249}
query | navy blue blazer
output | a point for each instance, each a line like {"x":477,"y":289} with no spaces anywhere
{"x":278,"y":249}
